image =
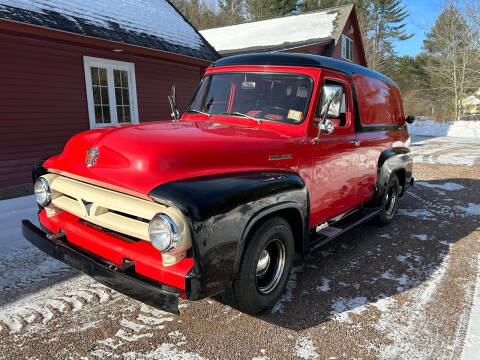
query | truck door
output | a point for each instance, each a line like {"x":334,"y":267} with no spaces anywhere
{"x":336,"y":172}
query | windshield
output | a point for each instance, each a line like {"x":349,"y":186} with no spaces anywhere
{"x":266,"y":96}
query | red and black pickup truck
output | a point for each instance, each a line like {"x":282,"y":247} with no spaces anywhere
{"x":276,"y":155}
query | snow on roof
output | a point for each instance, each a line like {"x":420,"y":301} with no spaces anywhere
{"x":280,"y":33}
{"x":149,"y":23}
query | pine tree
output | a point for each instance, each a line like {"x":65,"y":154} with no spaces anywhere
{"x":311,"y":5}
{"x":385,"y":24}
{"x":230,"y":12}
{"x":264,"y":9}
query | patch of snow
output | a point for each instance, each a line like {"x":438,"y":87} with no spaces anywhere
{"x":305,"y":349}
{"x":471,"y":348}
{"x":418,"y":213}
{"x":402,"y":280}
{"x":449,"y":186}
{"x":285,"y":30}
{"x":132,"y":325}
{"x":342,"y":307}
{"x":461,"y":129}
{"x":122,"y":334}
{"x":402,"y":333}
{"x":288,"y":293}
{"x":471,"y":210}
{"x":422,"y":237}
{"x":164,"y":351}
{"x":324,"y":287}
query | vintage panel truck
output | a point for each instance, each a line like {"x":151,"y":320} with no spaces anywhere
{"x":276,"y":155}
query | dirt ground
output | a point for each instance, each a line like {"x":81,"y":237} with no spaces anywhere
{"x":403,"y":291}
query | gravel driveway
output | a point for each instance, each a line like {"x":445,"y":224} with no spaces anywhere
{"x":403,"y":291}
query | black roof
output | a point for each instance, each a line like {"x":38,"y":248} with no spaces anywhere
{"x":306,"y":60}
{"x":154,"y":24}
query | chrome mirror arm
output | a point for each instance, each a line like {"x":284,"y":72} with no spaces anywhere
{"x":326,"y":126}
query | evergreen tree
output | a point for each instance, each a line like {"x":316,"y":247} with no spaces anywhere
{"x":311,"y":5}
{"x":230,"y":12}
{"x":264,"y":9}
{"x":384,"y":20}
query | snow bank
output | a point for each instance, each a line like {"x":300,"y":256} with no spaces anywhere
{"x":463,"y":129}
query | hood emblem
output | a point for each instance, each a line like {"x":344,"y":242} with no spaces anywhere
{"x":87,"y":206}
{"x":92,"y":155}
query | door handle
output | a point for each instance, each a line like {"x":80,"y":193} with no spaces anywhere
{"x":355,"y":142}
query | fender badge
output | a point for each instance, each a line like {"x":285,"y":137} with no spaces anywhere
{"x":91,"y":158}
{"x":280,"y":157}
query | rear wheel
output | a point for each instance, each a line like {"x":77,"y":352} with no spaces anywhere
{"x":264,"y":269}
{"x":389,"y":201}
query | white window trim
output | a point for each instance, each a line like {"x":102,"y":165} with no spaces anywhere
{"x":89,"y":62}
{"x":344,"y":47}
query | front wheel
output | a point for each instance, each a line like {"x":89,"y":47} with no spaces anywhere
{"x":388,"y":204}
{"x":265,"y":268}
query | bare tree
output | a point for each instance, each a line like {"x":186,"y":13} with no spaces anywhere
{"x":450,"y":48}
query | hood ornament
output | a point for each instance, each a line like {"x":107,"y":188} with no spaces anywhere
{"x":92,"y":155}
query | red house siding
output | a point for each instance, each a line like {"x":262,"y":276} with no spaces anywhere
{"x":358,"y":57}
{"x":43,"y":96}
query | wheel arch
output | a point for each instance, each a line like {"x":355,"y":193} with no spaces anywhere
{"x":397,"y":160}
{"x":292,"y":213}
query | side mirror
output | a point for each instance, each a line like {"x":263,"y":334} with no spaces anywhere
{"x":333,"y":95}
{"x":410,"y":119}
{"x":172,"y":98}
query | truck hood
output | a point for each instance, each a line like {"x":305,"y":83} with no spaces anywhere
{"x":140,"y":157}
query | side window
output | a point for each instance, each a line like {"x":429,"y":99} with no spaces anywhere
{"x":341,"y":120}
{"x":347,"y":48}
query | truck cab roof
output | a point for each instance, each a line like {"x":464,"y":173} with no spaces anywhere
{"x":301,"y":60}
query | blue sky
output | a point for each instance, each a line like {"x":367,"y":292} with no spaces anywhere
{"x":423,"y":14}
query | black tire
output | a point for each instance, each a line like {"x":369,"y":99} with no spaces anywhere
{"x":389,"y":201}
{"x":255,"y":291}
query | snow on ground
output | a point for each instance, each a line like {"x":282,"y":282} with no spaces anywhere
{"x":461,"y":129}
{"x":443,"y":150}
{"x":471,"y":349}
{"x":22,"y":266}
{"x":449,"y":186}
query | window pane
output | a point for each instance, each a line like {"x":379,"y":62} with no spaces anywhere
{"x":116,"y":77}
{"x":98,"y":114}
{"x":94,"y":73}
{"x":106,"y":114}
{"x":126,"y":114}
{"x":118,"y":96}
{"x":104,"y":92}
{"x":96,"y":95}
{"x":120,"y":114}
{"x":103,"y":76}
{"x":124,"y":79}
{"x":126,"y":100}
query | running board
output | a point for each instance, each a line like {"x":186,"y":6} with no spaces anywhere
{"x":337,"y":228}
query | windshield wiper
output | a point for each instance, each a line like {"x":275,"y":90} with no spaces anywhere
{"x":198,"y":112}
{"x":243,"y":115}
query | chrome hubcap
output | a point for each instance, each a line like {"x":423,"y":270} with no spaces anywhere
{"x":270,"y":266}
{"x":263,"y":262}
{"x":390,"y":202}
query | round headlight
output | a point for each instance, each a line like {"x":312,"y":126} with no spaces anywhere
{"x":163,"y":233}
{"x":42,"y":192}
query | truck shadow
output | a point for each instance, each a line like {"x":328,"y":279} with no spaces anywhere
{"x":370,"y":264}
